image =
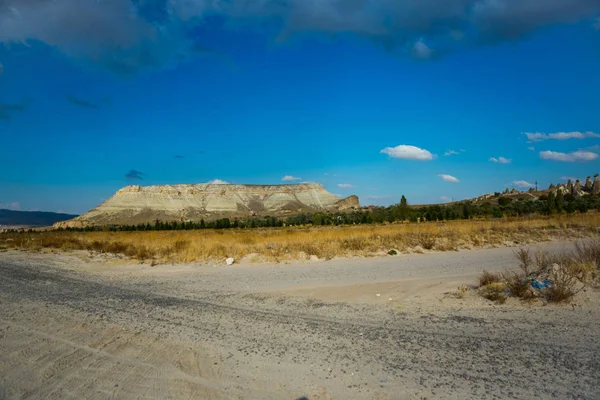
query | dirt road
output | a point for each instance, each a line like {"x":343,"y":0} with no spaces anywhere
{"x":380,"y":328}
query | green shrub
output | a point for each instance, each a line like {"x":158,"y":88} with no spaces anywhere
{"x":494,"y":292}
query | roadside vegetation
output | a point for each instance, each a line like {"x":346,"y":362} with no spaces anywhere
{"x":302,"y":242}
{"x":551,"y":278}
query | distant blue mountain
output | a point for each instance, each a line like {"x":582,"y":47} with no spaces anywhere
{"x":31,"y":218}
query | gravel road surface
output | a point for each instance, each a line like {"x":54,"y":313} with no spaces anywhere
{"x":377,"y":328}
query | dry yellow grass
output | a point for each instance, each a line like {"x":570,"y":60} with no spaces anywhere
{"x":281,"y":244}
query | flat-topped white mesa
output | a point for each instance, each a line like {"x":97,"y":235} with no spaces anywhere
{"x":143,"y":204}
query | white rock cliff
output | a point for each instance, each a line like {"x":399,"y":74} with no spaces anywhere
{"x":138,"y":204}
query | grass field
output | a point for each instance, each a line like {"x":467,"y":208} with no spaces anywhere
{"x":292,"y":243}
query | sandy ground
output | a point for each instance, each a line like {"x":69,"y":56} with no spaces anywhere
{"x":376,"y":328}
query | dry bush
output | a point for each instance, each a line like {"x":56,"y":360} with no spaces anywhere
{"x":560,"y":293}
{"x":568,"y":279}
{"x":517,"y":284}
{"x":461,"y":291}
{"x":588,"y":252}
{"x":427,"y":241}
{"x":526,"y":260}
{"x":487,"y":278}
{"x":568,"y":273}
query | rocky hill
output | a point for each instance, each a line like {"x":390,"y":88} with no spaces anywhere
{"x":576,"y":189}
{"x":137,"y":204}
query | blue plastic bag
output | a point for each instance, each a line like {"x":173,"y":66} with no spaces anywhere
{"x":541,"y":285}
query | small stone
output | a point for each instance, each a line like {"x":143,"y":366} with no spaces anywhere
{"x":230,"y":261}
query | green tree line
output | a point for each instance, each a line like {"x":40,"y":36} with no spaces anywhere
{"x":506,"y":206}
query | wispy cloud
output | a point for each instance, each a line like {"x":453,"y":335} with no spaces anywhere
{"x":540,"y":137}
{"x":218,"y":182}
{"x":8,"y":110}
{"x":345,"y":186}
{"x":82,"y":102}
{"x":577,"y":156}
{"x":134,"y":175}
{"x":290,"y":178}
{"x":568,"y":178}
{"x":500,"y":160}
{"x":10,"y":206}
{"x":451,"y":153}
{"x":448,"y":178}
{"x":408,"y":152}
{"x":445,"y":199}
{"x":522,"y":184}
{"x":531,"y":148}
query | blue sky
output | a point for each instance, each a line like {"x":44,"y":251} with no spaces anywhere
{"x":430,"y":99}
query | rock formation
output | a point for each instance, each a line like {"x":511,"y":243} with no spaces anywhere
{"x":137,"y":204}
{"x":562,"y":189}
{"x":552,"y":187}
{"x":596,"y":185}
{"x":570,"y":186}
{"x":506,"y":191}
{"x":514,"y":191}
{"x":576,"y":189}
{"x":588,"y":183}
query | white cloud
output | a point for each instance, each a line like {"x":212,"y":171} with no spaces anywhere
{"x":448,"y":178}
{"x":289,"y":178}
{"x":10,"y":206}
{"x":445,"y":199}
{"x":578,"y":156}
{"x":522,"y":184}
{"x":500,"y":160}
{"x":407,"y":152}
{"x":540,"y":137}
{"x":218,"y":182}
{"x":345,"y":186}
{"x":531,"y":148}
{"x":378,"y":197}
{"x":451,"y":153}
{"x":568,"y":178}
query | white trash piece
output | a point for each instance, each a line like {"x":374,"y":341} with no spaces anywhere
{"x":230,"y":261}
